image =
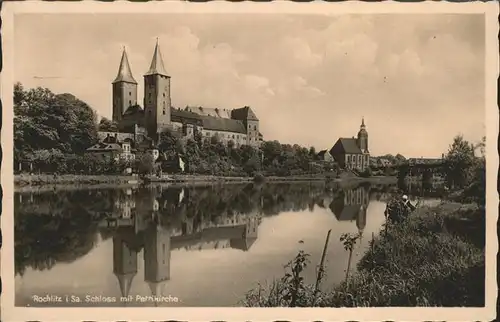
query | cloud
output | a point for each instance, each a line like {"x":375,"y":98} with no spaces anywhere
{"x":316,"y":74}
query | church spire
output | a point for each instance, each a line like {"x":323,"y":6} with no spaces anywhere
{"x":124,"y":71}
{"x":157,"y":67}
{"x":363,"y":122}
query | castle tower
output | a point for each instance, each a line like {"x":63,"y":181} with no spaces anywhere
{"x":124,"y":89}
{"x":251,"y":122}
{"x":157,"y":101}
{"x":157,"y":258}
{"x":124,"y":264}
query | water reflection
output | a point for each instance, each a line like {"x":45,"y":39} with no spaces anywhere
{"x":54,"y":229}
{"x":136,"y":233}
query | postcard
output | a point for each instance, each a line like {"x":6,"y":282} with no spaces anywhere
{"x":249,"y":161}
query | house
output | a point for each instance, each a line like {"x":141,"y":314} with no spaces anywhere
{"x":383,"y":163}
{"x":111,"y":148}
{"x":325,"y":156}
{"x":352,"y":153}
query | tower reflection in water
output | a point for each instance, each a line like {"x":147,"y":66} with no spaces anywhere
{"x":350,"y":205}
{"x":144,"y":225}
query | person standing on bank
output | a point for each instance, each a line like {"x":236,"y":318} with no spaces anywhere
{"x":408,"y":204}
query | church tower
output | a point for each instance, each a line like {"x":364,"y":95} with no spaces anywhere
{"x":363,"y":137}
{"x":124,"y":89}
{"x":157,"y":102}
{"x":363,"y":145}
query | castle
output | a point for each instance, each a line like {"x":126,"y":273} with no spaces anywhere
{"x":137,"y":124}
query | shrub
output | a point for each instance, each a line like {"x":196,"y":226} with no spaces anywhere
{"x":367,"y":173}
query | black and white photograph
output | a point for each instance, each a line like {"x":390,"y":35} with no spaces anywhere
{"x":248,"y":159}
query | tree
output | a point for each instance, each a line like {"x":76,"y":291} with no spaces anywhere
{"x":146,"y":164}
{"x":169,"y":144}
{"x":459,"y":162}
{"x":312,"y":152}
{"x":46,"y":121}
{"x":108,"y":125}
{"x":399,"y":159}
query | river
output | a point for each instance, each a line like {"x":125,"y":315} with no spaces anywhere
{"x":199,"y":246}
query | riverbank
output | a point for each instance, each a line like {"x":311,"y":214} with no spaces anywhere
{"x":25,"y":182}
{"x":435,"y":258}
{"x":21,"y":180}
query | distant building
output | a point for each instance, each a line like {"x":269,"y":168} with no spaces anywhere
{"x":383,"y":162}
{"x":241,"y":125}
{"x":425,"y":161}
{"x":325,"y":156}
{"x":112,"y":148}
{"x":353,"y":153}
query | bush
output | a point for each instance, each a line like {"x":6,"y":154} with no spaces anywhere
{"x":367,"y":173}
{"x":434,"y":258}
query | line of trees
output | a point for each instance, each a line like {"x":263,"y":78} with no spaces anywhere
{"x":53,"y":131}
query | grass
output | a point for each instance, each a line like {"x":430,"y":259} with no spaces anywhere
{"x":433,"y":258}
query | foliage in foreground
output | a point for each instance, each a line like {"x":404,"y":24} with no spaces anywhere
{"x":434,"y":258}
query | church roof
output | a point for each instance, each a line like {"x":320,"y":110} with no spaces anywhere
{"x":244,"y":113}
{"x":157,"y":67}
{"x":349,"y":145}
{"x":124,"y":71}
{"x":344,"y":212}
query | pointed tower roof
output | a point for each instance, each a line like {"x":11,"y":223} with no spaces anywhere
{"x":156,"y":288}
{"x":157,"y":67}
{"x":125,"y":281}
{"x":363,"y":123}
{"x":124,"y":71}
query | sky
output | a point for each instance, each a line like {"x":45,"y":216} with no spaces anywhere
{"x":418,"y":80}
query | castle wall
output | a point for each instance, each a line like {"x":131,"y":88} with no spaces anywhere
{"x":119,"y":135}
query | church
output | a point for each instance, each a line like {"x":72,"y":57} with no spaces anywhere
{"x":136,"y":124}
{"x":352,"y":153}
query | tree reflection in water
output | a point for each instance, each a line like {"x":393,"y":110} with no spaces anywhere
{"x":62,"y":226}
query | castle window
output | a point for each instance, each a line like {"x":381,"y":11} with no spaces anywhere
{"x":255,"y":127}
{"x":163,"y":94}
{"x":129,"y":93}
{"x":129,"y":103}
